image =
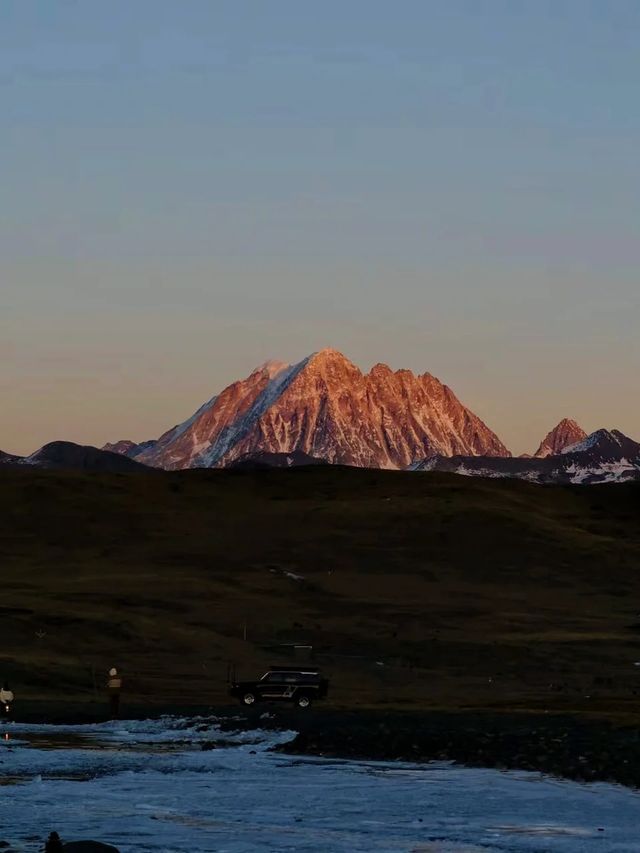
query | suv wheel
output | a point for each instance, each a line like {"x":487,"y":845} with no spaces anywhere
{"x":248,"y":699}
{"x":303,"y":701}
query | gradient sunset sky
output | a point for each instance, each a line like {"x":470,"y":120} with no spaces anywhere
{"x":190,"y":188}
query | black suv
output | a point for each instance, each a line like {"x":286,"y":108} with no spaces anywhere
{"x":282,"y":683}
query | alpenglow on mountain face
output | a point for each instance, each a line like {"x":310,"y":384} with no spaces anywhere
{"x":325,"y":407}
{"x":564,"y":435}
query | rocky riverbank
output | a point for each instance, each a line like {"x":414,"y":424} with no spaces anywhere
{"x":563,"y":745}
{"x":586,"y":750}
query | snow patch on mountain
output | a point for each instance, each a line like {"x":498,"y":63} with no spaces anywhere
{"x":586,"y":444}
{"x":600,"y":436}
{"x":603,"y":457}
{"x":180,"y":429}
{"x":281,"y":376}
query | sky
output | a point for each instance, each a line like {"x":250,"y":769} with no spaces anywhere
{"x":189,"y":188}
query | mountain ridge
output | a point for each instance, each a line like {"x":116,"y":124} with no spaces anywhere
{"x":325,"y":407}
{"x":605,"y":456}
{"x":69,"y":456}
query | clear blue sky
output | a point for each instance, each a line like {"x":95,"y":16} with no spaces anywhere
{"x":189,"y":188}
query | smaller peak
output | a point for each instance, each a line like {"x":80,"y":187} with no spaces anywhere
{"x":381,"y":369}
{"x":607,"y":441}
{"x":594,"y":438}
{"x":329,"y":356}
{"x":568,"y":422}
{"x":122,"y":446}
{"x":612,"y":435}
{"x":55,"y":445}
{"x":565,"y":434}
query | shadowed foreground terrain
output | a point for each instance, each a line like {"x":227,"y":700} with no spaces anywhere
{"x":415,"y":590}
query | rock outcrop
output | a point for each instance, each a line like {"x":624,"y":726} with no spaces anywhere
{"x":566,"y":433}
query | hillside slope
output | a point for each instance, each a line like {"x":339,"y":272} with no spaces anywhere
{"x":66,"y":455}
{"x":430,"y":590}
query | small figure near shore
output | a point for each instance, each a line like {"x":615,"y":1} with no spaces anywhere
{"x":114,"y":686}
{"x":53,"y":845}
{"x":6,"y":701}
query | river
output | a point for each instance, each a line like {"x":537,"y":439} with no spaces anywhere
{"x":151,"y":786}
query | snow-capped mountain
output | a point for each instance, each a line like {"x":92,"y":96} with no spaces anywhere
{"x":602,"y":457}
{"x":566,"y":433}
{"x":325,"y":407}
{"x":605,"y":446}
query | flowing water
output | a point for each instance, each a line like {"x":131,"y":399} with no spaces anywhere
{"x":150,"y":786}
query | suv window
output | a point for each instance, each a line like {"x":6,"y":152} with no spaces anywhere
{"x":291,"y":677}
{"x":286,"y":677}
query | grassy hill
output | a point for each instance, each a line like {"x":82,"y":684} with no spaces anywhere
{"x":415,"y":590}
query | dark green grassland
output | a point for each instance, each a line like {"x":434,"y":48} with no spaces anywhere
{"x":418,"y":590}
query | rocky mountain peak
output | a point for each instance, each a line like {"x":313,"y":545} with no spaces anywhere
{"x":605,"y":444}
{"x":325,"y":407}
{"x":329,"y":360}
{"x":328,"y":354}
{"x":381,"y":370}
{"x":566,"y":433}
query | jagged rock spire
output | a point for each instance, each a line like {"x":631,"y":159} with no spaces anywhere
{"x":566,"y":433}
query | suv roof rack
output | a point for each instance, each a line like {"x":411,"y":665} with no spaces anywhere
{"x":310,"y":670}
